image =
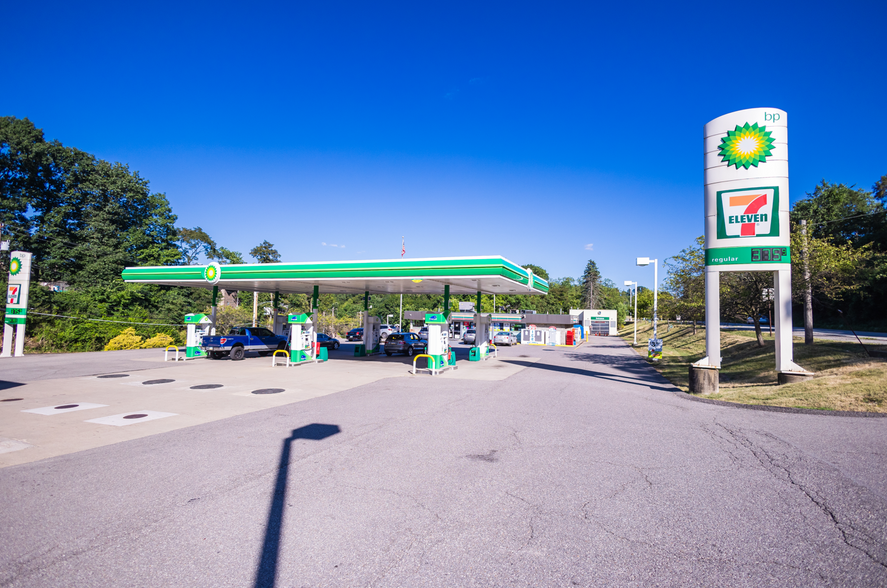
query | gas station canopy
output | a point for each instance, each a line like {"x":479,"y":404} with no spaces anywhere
{"x":463,"y":275}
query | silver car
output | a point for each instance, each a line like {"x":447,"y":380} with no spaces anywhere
{"x":469,"y":336}
{"x":504,"y":338}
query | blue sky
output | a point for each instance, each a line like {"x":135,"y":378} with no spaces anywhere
{"x":546,"y":133}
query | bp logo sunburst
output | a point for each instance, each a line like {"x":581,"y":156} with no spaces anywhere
{"x":212,"y":273}
{"x":15,"y":266}
{"x":746,"y":146}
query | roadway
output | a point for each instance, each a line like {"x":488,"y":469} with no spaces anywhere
{"x":547,"y":467}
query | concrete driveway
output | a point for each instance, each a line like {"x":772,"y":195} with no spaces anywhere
{"x":548,"y":467}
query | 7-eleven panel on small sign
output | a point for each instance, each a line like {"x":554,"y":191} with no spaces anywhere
{"x":749,"y":212}
{"x":13,"y":293}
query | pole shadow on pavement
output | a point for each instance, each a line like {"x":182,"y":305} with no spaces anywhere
{"x":266,"y":575}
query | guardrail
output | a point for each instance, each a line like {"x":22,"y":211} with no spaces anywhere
{"x":166,"y":353}
{"x":274,"y":357}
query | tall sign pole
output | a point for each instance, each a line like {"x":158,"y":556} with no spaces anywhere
{"x":746,"y":226}
{"x":16,"y":304}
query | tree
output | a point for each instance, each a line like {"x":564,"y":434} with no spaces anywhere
{"x":194,"y":243}
{"x":686,"y":282}
{"x":538,"y":271}
{"x":832,"y":270}
{"x":742,"y":294}
{"x":590,"y":280}
{"x":841,"y":213}
{"x":265,"y":252}
{"x":229,"y":256}
{"x":84,"y":219}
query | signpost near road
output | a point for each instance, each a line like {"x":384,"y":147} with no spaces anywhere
{"x":16,"y":304}
{"x":746,"y":227}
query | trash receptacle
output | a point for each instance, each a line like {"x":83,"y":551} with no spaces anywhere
{"x":359,"y":350}
{"x":474,"y":354}
{"x":452,"y":359}
{"x":324,"y":354}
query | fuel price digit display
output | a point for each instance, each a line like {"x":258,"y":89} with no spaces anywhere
{"x":768,"y":254}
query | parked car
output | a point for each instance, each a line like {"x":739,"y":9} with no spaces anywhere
{"x":355,"y":335}
{"x":469,"y":336}
{"x":385,"y":330}
{"x":423,"y":333}
{"x":408,"y":343}
{"x":504,"y":338}
{"x":327,"y":341}
{"x":762,"y":320}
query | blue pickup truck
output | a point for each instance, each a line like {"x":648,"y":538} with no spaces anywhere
{"x":240,"y":340}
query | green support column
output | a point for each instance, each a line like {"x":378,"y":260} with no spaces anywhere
{"x":366,"y":301}
{"x":215,"y":300}
{"x":276,"y":300}
{"x":315,"y":297}
{"x":446,"y":311}
{"x":477,"y":309}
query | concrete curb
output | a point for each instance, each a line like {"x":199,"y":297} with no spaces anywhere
{"x":765,"y":408}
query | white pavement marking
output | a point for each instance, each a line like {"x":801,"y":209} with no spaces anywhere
{"x":61,"y":408}
{"x":8,"y":445}
{"x":131,"y":418}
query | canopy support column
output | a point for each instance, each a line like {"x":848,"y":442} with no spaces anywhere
{"x":215,"y":301}
{"x":477,"y":307}
{"x":446,"y":311}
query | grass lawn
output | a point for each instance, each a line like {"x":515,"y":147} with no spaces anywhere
{"x":846,"y":379}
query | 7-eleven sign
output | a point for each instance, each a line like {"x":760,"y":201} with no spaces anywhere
{"x":13,"y":293}
{"x":748,"y":212}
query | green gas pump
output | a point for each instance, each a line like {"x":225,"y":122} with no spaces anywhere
{"x":199,"y":326}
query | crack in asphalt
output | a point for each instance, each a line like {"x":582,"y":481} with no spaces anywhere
{"x":778,"y":470}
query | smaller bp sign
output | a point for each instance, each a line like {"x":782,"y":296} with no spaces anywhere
{"x":746,"y":190}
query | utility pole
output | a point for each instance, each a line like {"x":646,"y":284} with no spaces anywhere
{"x":808,"y":287}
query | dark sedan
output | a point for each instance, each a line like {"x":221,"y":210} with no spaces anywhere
{"x":355,"y":334}
{"x":327,"y":341}
{"x":408,"y":343}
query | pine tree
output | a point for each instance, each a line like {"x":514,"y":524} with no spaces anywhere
{"x":591,"y":279}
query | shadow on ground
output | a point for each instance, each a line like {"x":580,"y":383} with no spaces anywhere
{"x":638,"y":373}
{"x":266,"y":574}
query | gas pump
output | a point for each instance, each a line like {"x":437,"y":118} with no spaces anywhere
{"x":481,"y":347}
{"x":199,"y":326}
{"x":371,"y":334}
{"x":302,"y":339}
{"x":439,"y":341}
{"x":281,"y":325}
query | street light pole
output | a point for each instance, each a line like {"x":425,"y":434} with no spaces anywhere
{"x":635,"y":284}
{"x":642,"y":261}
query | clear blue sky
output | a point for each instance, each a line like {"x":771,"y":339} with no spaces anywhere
{"x":549,"y":133}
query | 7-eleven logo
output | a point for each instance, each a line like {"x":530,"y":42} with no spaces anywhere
{"x":748,"y":213}
{"x":13,"y":293}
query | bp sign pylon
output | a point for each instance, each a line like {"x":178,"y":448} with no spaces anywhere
{"x":746,"y":227}
{"x":17,"y":288}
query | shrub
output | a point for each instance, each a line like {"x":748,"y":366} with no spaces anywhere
{"x":158,"y":340}
{"x":128,"y":339}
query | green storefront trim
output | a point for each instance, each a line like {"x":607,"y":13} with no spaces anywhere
{"x":747,"y":255}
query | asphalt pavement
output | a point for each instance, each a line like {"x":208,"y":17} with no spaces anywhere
{"x":579,"y":467}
